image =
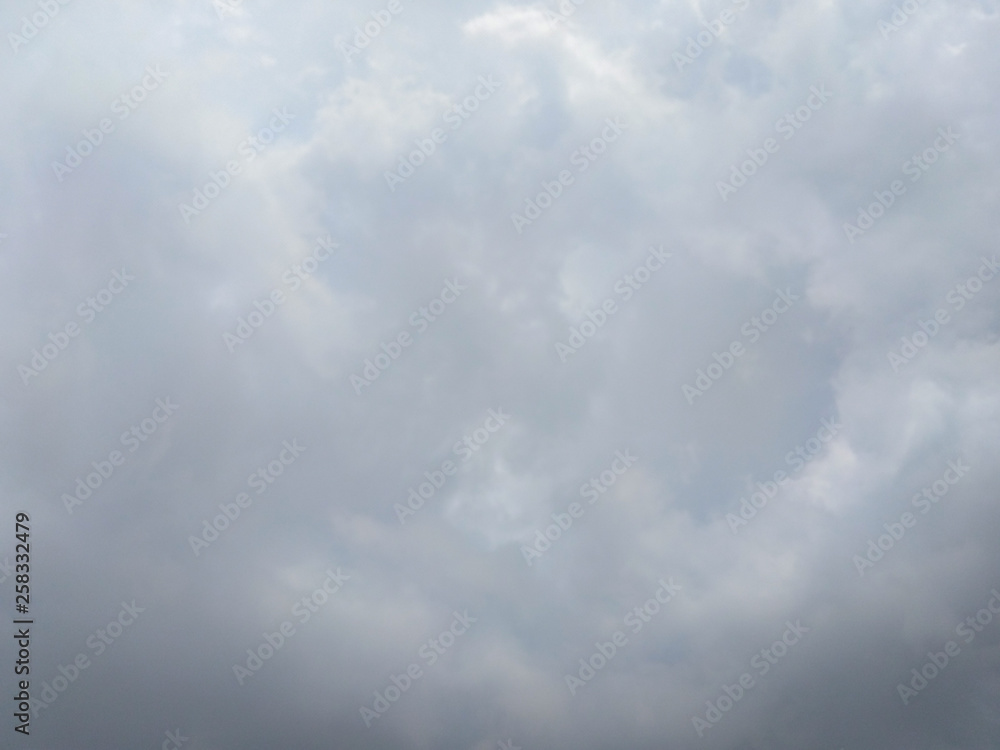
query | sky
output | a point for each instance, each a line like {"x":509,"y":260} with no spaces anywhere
{"x":500,"y":375}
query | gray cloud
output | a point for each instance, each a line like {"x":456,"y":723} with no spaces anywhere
{"x":562,"y":76}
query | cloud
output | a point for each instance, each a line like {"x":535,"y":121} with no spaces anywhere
{"x":596,"y":205}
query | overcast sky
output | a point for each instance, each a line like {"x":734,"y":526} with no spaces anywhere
{"x":492,"y":375}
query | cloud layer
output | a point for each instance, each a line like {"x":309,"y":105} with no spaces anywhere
{"x":542,"y":375}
